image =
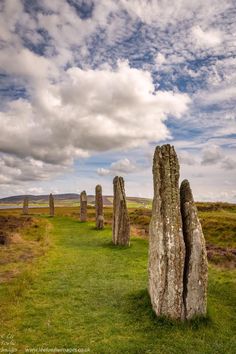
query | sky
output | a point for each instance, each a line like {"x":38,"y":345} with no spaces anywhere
{"x":88,"y":89}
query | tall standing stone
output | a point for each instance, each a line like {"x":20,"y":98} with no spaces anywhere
{"x":166,"y":243}
{"x":83,"y":206}
{"x":196,"y":268}
{"x":121,"y":224}
{"x":99,"y":208}
{"x":51,"y":205}
{"x":26,"y":206}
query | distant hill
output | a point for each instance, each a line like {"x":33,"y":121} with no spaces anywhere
{"x":69,"y":199}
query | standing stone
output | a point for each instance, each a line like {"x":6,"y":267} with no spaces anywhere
{"x":166,"y":243}
{"x":196,"y":269}
{"x":99,"y":208}
{"x":51,"y":204}
{"x":121,"y":224}
{"x":26,"y":206}
{"x":83,"y":206}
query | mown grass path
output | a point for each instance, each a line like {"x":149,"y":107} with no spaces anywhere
{"x":86,"y":293}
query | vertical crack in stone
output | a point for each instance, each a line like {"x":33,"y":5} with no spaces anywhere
{"x":196,"y":268}
{"x":121,"y":223}
{"x":99,"y":208}
{"x":83,"y":206}
{"x":166,"y":244}
{"x":51,"y":205}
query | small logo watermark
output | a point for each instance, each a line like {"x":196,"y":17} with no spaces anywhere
{"x":8,"y":345}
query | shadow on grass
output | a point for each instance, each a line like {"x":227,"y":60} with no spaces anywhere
{"x":110,"y":245}
{"x":94,"y":228}
{"x":140,"y":307}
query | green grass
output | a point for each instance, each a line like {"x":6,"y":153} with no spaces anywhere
{"x":86,"y":293}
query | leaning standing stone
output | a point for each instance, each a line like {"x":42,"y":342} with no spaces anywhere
{"x":26,"y":206}
{"x":166,"y":243}
{"x":99,"y":208}
{"x":83,"y":206}
{"x":121,"y":224}
{"x":51,"y":205}
{"x":196,"y":269}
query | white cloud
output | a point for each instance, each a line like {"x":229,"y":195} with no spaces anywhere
{"x":211,"y":155}
{"x":20,"y":170}
{"x":228,"y":163}
{"x":91,"y":110}
{"x":186,"y":158}
{"x":103,"y":171}
{"x":214,"y":154}
{"x":209,"y":38}
{"x":122,"y":166}
{"x":35,"y":190}
{"x":219,"y":95}
{"x":27,"y":64}
{"x":160,"y":59}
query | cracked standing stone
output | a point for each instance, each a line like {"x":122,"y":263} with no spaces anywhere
{"x":99,"y":208}
{"x":26,"y":206}
{"x":196,"y":267}
{"x":166,"y":242}
{"x":51,"y":204}
{"x":121,"y":223}
{"x":83,"y":206}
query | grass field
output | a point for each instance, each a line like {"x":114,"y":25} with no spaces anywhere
{"x":85,"y":293}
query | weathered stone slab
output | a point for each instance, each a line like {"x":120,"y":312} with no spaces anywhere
{"x":83,"y":206}
{"x":166,"y":243}
{"x":99,"y":208}
{"x":121,"y":223}
{"x":196,"y":268}
{"x":51,"y":205}
{"x":26,"y":206}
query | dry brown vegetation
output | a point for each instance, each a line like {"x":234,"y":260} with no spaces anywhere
{"x":23,"y":238}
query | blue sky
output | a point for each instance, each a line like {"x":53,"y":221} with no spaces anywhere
{"x":89,"y":88}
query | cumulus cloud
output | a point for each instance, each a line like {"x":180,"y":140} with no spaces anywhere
{"x":20,"y":170}
{"x":228,"y":163}
{"x":214,"y":154}
{"x":90,"y":110}
{"x":218,"y":96}
{"x":186,"y":158}
{"x":122,"y":166}
{"x":211,"y":154}
{"x":160,"y":59}
{"x":35,"y":190}
{"x":209,"y":38}
{"x":103,"y":171}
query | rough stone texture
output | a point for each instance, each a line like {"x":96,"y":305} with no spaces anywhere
{"x":196,"y":268}
{"x":99,"y":208}
{"x":121,"y":223}
{"x":51,"y":205}
{"x":83,"y":206}
{"x":26,"y":206}
{"x":166,"y":243}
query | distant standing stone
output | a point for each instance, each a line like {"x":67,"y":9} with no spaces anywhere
{"x":83,"y":206}
{"x":166,"y":243}
{"x":196,"y":268}
{"x":121,"y":223}
{"x":99,"y":208}
{"x":51,"y":204}
{"x":26,"y":206}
